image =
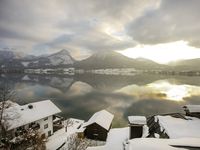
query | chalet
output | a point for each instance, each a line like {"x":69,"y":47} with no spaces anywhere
{"x":136,"y":125}
{"x":192,"y":110}
{"x":166,"y":131}
{"x":37,"y":116}
{"x":176,"y":125}
{"x":98,"y":126}
{"x":169,"y":126}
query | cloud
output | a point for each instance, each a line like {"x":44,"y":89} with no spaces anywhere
{"x":85,"y":27}
{"x":80,"y":26}
{"x":172,"y":21}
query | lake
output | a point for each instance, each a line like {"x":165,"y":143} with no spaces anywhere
{"x":79,"y":96}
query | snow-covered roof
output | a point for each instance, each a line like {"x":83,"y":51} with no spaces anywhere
{"x":96,"y":148}
{"x":180,"y":128}
{"x":162,"y":144}
{"x":102,"y":118}
{"x":17,"y":116}
{"x":192,"y":108}
{"x":137,"y":120}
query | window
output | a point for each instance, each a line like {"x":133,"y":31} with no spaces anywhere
{"x":49,"y":133}
{"x":20,"y":128}
{"x":32,"y":124}
{"x":45,"y":126}
{"x":45,"y":118}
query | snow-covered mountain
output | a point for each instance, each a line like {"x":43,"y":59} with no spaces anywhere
{"x":59,"y":59}
{"x":111,"y":59}
{"x":6,"y":55}
{"x":62,"y":57}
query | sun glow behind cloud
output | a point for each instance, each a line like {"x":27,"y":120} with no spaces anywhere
{"x":163,"y":53}
{"x":162,"y":89}
{"x":172,"y":91}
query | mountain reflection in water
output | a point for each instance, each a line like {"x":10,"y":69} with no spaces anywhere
{"x":79,"y":96}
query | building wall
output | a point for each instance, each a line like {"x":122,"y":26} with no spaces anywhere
{"x":42,"y":129}
{"x":96,"y":132}
{"x":43,"y":122}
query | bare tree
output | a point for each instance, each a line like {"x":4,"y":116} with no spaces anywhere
{"x":30,"y":139}
{"x":6,"y":93}
{"x":68,"y":123}
{"x":75,"y":143}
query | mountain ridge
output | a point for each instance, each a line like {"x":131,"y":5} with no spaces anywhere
{"x":61,"y":58}
{"x":103,"y":60}
{"x":113,"y":59}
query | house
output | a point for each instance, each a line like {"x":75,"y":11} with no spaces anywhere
{"x":166,"y":131}
{"x":171,"y":127}
{"x":38,"y":116}
{"x":98,"y":126}
{"x":136,"y":125}
{"x":192,"y":110}
{"x":176,"y":125}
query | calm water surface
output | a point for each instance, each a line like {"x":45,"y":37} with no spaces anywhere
{"x":79,"y":96}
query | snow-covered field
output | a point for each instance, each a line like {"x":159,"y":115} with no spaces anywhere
{"x":162,"y":144}
{"x":61,"y":136}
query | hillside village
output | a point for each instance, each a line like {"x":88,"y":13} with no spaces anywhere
{"x":99,"y":75}
{"x":162,"y":131}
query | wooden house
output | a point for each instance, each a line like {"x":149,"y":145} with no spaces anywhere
{"x":98,"y":125}
{"x":168,"y":126}
{"x":192,"y":110}
{"x":136,"y":124}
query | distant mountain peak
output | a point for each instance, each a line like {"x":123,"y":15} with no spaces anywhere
{"x":104,"y":54}
{"x":62,"y":57}
{"x":64,"y":51}
{"x":61,"y":52}
{"x":113,"y":59}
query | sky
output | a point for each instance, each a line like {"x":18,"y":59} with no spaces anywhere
{"x":160,"y":30}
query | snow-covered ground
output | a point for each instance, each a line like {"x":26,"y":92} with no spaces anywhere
{"x":60,"y":136}
{"x":115,"y":140}
{"x":181,"y":132}
{"x":116,"y":137}
{"x":162,"y":144}
{"x":118,"y":140}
